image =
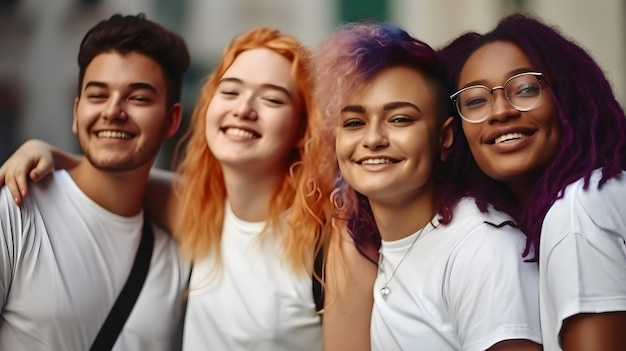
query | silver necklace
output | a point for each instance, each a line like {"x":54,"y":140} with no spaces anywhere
{"x":386,"y":290}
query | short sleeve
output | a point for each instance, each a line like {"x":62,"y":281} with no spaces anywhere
{"x":586,"y":273}
{"x":492,"y":294}
{"x":583,"y":252}
{"x":9,"y":219}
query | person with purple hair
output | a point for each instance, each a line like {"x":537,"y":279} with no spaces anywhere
{"x":544,"y":138}
{"x":451,"y":275}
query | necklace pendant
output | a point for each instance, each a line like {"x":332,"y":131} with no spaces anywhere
{"x":385,"y":291}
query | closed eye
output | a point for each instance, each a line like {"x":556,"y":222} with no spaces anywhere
{"x":96,"y":97}
{"x":140,"y":99}
{"x":274,"y":101}
{"x":229,"y":93}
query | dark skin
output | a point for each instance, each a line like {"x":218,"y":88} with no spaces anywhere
{"x":594,"y":331}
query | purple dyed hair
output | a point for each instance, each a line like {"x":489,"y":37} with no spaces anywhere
{"x":593,"y":122}
{"x":351,"y":57}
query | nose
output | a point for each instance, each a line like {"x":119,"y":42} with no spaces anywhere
{"x":245,"y":108}
{"x":376,"y":137}
{"x":114,"y":110}
{"x":501,"y":108}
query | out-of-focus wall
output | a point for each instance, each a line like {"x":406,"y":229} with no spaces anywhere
{"x":38,"y":46}
{"x":598,"y":26}
{"x":39,"y":42}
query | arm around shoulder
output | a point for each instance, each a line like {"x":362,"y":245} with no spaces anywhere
{"x":492,"y":293}
{"x":349,"y":280}
{"x":160,"y":201}
{"x":33,"y":161}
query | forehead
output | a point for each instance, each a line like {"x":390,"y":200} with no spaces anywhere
{"x":261,"y":66}
{"x":395,"y":84}
{"x":494,"y":62}
{"x":119,"y":70}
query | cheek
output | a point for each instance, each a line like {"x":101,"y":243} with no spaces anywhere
{"x":341,"y":146}
{"x":471,"y":132}
{"x":209,"y":128}
{"x":209,"y":115}
{"x":287,"y":126}
{"x":554,"y":139}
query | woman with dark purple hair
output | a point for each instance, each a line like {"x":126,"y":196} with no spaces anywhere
{"x":544,"y":138}
{"x":451,"y":275}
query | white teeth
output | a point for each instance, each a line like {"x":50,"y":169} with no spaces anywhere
{"x":376,"y":161}
{"x":240,"y":133}
{"x":114,"y":134}
{"x":508,"y":137}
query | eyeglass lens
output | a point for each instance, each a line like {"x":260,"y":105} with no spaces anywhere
{"x":521,"y":91}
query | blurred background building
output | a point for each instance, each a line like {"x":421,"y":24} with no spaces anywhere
{"x":39,"y":42}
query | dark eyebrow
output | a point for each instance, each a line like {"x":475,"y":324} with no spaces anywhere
{"x":399,"y":104}
{"x":386,"y":107}
{"x":143,"y":86}
{"x":353,"y":108}
{"x":509,"y":75}
{"x":266,"y":85}
{"x":95,"y":84}
{"x":133,"y":86}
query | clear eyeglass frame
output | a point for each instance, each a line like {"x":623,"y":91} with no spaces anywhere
{"x":455,"y":97}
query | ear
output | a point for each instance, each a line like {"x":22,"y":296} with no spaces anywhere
{"x":172,"y":123}
{"x":446,"y":137}
{"x":74,"y":123}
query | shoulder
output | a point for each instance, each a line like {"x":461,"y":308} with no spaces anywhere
{"x":166,"y":250}
{"x":492,"y":234}
{"x":13,"y":216}
{"x":592,"y":208}
{"x":611,"y":192}
{"x":468,"y":219}
{"x":467,"y":213}
{"x":163,"y":239}
{"x":488,"y":287}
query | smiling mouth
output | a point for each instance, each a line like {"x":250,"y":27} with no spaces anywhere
{"x":112,"y":134}
{"x":377,"y":161}
{"x":240,"y":133}
{"x":509,"y":137}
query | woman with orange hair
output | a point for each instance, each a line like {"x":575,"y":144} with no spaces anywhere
{"x":251,"y":280}
{"x":250,"y":207}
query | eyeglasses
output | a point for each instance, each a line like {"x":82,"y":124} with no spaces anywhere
{"x":522,"y":91}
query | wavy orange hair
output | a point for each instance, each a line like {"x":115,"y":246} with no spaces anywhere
{"x":303,"y":194}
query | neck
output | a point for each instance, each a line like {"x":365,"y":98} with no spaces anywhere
{"x":401,"y":219}
{"x":119,"y":192}
{"x":250,"y":193}
{"x":521,"y":189}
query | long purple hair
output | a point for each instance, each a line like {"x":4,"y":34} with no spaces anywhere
{"x":593,"y":122}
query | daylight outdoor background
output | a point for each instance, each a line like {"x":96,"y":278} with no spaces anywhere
{"x":39,"y":41}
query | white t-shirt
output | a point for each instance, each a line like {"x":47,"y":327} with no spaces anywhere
{"x":255,"y":302}
{"x":463,"y":286}
{"x":63,"y":262}
{"x":582,"y":254}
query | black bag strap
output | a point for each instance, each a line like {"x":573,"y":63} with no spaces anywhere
{"x":318,"y":289}
{"x":180,"y":331}
{"x":118,"y":315}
